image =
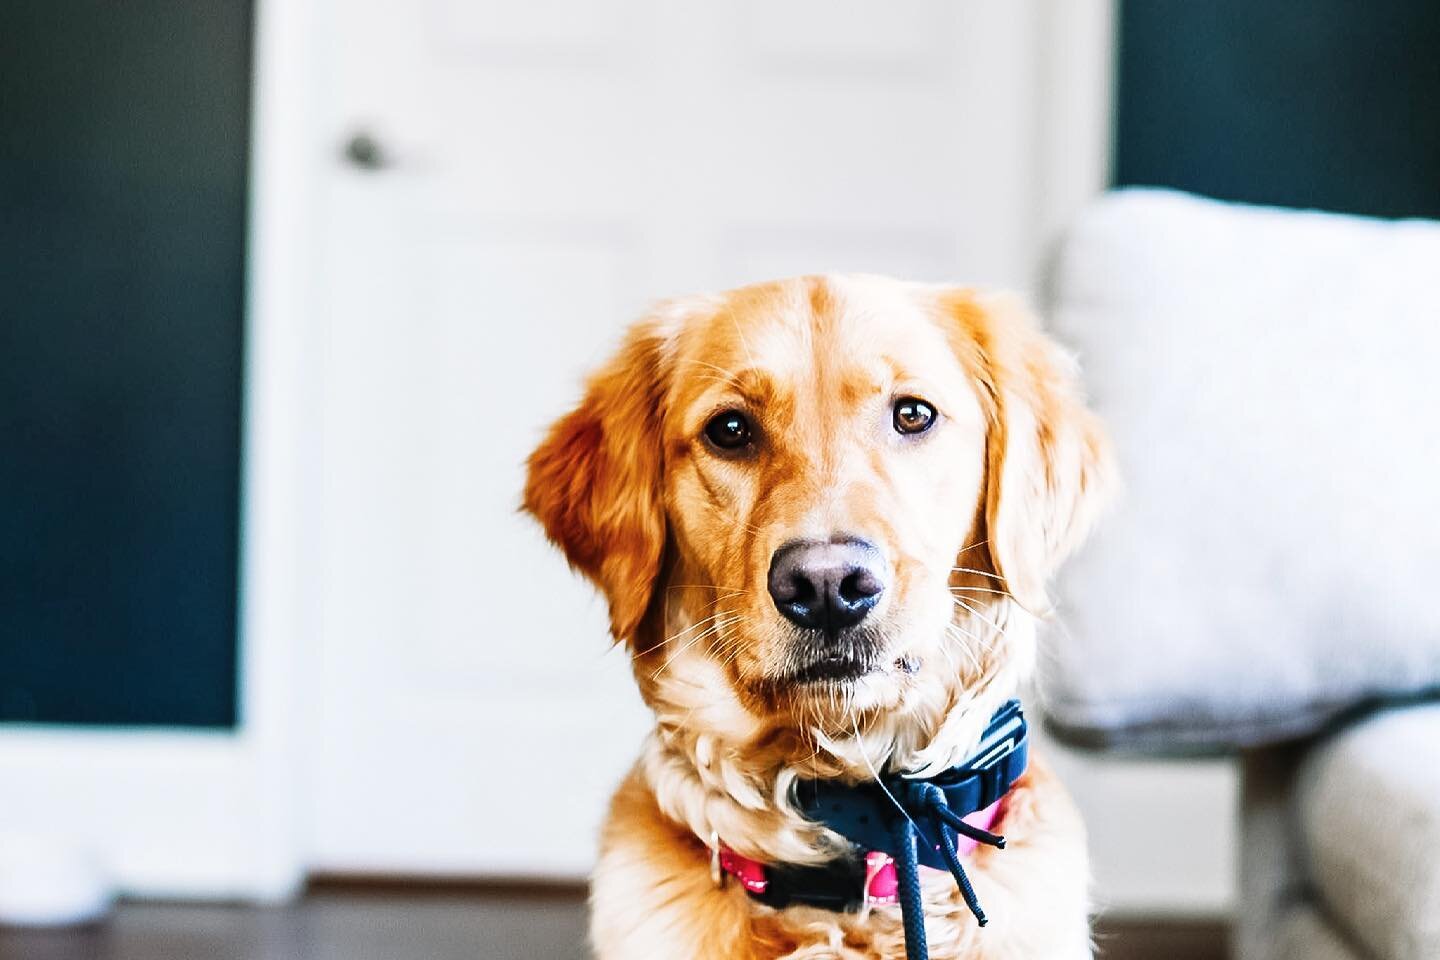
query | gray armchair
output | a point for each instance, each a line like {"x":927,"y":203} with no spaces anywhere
{"x":1269,"y":584}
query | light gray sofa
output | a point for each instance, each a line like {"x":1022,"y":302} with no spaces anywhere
{"x":1269,"y":583}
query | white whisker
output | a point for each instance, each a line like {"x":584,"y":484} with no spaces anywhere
{"x":978,"y":573}
{"x":964,"y":648}
{"x":680,"y":633}
{"x":718,"y":625}
{"x":1003,"y":593}
{"x":729,"y":377}
{"x":748,"y":526}
{"x":960,"y":602}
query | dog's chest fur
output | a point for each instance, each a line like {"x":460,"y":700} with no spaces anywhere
{"x":653,"y":896}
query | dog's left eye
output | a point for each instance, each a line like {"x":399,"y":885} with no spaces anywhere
{"x":913,"y":415}
{"x":729,"y":430}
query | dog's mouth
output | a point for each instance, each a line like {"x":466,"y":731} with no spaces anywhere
{"x":827,"y":659}
{"x":836,"y":667}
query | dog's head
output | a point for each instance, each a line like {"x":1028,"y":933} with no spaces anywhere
{"x":827,"y":491}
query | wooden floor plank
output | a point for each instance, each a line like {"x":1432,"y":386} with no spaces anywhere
{"x":388,"y":921}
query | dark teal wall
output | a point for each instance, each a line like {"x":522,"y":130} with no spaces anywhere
{"x":1309,"y":103}
{"x":123,"y":139}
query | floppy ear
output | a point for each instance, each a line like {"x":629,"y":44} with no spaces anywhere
{"x":595,"y":481}
{"x":1049,"y":467}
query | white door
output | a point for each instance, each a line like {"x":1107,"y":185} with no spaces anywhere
{"x":544,"y":169}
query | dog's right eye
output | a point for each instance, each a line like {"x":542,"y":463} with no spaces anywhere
{"x":729,"y":430}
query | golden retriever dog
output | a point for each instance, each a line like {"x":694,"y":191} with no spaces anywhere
{"x":824,"y":512}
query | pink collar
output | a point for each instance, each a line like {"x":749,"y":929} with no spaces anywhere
{"x":881,"y":883}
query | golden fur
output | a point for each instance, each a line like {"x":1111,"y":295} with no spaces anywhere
{"x":972,"y":517}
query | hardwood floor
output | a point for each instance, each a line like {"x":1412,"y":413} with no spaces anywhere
{"x":1137,"y":938}
{"x":397,"y":922}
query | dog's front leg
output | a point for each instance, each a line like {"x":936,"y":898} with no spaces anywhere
{"x":652,"y":896}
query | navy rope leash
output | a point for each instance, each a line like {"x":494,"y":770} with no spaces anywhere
{"x":912,"y":908}
{"x":929,"y":802}
{"x":888,"y":815}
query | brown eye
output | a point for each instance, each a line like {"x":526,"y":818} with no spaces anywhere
{"x":729,"y":430}
{"x":913,"y":416}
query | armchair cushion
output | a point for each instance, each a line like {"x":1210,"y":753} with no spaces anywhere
{"x":1272,"y":382}
{"x":1367,"y":809}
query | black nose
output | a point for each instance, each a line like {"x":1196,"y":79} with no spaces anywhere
{"x":826,"y":586}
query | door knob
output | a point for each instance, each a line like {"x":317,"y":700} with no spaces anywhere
{"x":364,"y":152}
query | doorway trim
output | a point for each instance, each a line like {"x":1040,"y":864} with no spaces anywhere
{"x":215,"y":814}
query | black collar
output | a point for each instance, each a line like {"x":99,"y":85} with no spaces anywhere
{"x":914,"y":821}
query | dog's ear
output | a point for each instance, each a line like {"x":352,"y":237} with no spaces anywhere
{"x":594,"y":483}
{"x":1049,"y":466}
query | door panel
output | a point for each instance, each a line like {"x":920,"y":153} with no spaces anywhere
{"x":551,"y":168}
